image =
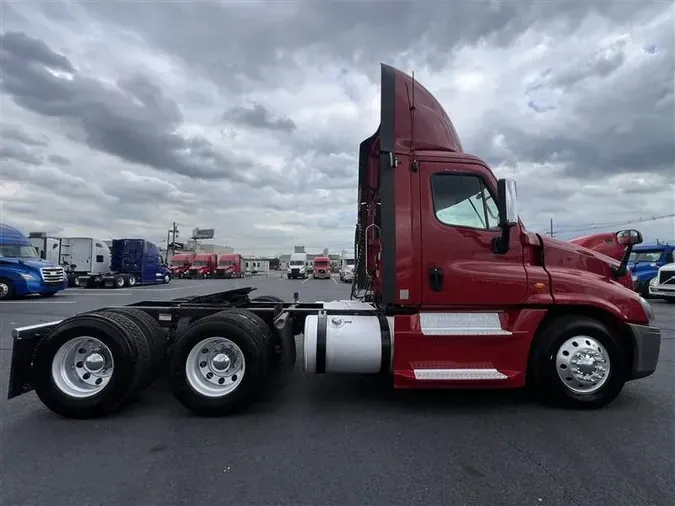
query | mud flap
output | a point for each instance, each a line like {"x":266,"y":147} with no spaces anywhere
{"x":21,"y":368}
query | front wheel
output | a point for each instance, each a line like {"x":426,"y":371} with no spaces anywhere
{"x":578,"y":362}
{"x":167,"y":278}
{"x":6,"y":289}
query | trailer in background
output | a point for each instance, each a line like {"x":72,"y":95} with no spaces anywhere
{"x":133,"y":261}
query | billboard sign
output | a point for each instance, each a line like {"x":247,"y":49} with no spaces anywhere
{"x":202,"y":233}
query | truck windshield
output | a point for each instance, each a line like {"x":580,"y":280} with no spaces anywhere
{"x":321,"y":264}
{"x":199,"y":263}
{"x":226,"y":262}
{"x":178,"y":262}
{"x":13,"y":251}
{"x":645,"y":256}
{"x":297,"y":262}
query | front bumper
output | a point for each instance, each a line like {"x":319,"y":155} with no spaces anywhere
{"x":646,"y":349}
{"x":662,"y":290}
{"x":29,"y":287}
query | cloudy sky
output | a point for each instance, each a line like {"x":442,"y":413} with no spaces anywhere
{"x":119,"y":118}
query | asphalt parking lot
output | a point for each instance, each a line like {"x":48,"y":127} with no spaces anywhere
{"x":335,"y":440}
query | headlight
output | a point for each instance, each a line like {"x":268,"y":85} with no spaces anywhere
{"x":634,"y":277}
{"x":648,"y":309}
{"x":28,"y":277}
{"x":654,"y":281}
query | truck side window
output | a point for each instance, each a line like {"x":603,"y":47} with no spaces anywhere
{"x":99,"y":259}
{"x":669,"y":257}
{"x":99,"y":245}
{"x":463,"y":200}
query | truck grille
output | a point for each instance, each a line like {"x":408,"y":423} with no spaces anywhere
{"x":53,"y":274}
{"x":295,"y":271}
{"x":666,"y":276}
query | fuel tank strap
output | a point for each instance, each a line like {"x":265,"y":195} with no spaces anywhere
{"x":322,"y":326}
{"x":385,"y":365}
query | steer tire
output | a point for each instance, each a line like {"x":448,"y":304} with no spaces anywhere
{"x":543,"y":371}
{"x":152,"y":331}
{"x":130,"y":354}
{"x":246,"y":334}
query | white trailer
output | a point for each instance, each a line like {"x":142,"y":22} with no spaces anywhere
{"x":84,"y":256}
{"x":48,"y":248}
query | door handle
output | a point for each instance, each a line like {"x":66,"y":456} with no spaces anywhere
{"x":436,"y":278}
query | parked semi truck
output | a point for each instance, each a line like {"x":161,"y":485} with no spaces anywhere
{"x":453,"y":291}
{"x":84,"y":258}
{"x":180,"y":264}
{"x":605,"y":243}
{"x":645,"y":261}
{"x":133,"y":262}
{"x":22,"y":271}
{"x":231,"y":265}
{"x":662,"y":286}
{"x":48,"y":248}
{"x":203,"y":266}
{"x":321,"y":268}
{"x":297,"y":266}
{"x":347,"y":267}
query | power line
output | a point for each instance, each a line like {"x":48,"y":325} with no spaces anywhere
{"x":597,"y":226}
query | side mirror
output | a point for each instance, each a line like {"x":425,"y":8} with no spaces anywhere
{"x":507,"y":206}
{"x":629,"y":237}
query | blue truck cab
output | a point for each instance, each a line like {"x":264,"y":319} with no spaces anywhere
{"x":22,"y":271}
{"x":644,"y":263}
{"x":132,"y":262}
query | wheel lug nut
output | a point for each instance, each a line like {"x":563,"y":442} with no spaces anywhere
{"x":79,"y":364}
{"x":209,"y":375}
{"x":99,"y":381}
{"x":86,"y":375}
{"x":202,"y":364}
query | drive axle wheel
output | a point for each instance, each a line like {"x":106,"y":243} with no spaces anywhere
{"x":91,"y":365}
{"x":578,"y":362}
{"x":218,"y":363}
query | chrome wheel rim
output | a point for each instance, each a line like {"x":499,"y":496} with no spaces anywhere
{"x":82,"y":367}
{"x":215,"y":367}
{"x":583,"y":364}
{"x":4,"y":290}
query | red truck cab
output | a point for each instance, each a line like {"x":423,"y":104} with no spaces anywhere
{"x":203,"y":265}
{"x":321,"y":268}
{"x":180,"y":264}
{"x":230,"y":265}
{"x":476,"y":299}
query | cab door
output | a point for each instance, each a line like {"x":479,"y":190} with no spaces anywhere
{"x":459,"y":222}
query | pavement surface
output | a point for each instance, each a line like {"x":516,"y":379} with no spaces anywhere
{"x":335,"y":440}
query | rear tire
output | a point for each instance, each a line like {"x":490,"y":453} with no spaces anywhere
{"x":128,"y":356}
{"x":235,"y":393}
{"x":558,"y":373}
{"x":670,"y":300}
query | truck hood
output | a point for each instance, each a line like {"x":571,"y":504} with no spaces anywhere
{"x":567,"y":255}
{"x":34,"y":263}
{"x":640,"y":267}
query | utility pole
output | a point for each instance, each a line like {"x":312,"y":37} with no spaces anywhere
{"x":170,"y":240}
{"x":551,"y":227}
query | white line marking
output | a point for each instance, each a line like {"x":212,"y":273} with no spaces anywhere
{"x":36,"y":302}
{"x":334,"y":280}
{"x":305,"y":281}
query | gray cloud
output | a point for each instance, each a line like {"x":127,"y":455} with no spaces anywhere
{"x":137,"y":117}
{"x":257,"y":116}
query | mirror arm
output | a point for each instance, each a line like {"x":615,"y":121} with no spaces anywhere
{"x":622,"y":269}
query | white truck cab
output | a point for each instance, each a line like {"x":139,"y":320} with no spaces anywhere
{"x":297,"y":266}
{"x":662,"y":286}
{"x":347,"y":267}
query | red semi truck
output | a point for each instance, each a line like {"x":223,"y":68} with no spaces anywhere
{"x":203,"y":266}
{"x":605,"y":243}
{"x":180,"y":264}
{"x":321,"y":268}
{"x":231,"y":265}
{"x":451,"y":291}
